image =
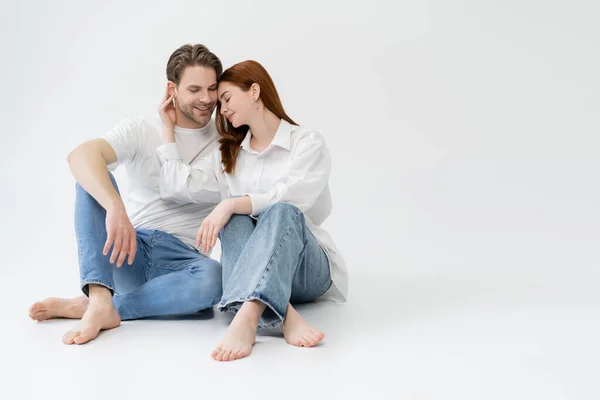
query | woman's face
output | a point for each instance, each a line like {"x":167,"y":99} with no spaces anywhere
{"x":236,"y":104}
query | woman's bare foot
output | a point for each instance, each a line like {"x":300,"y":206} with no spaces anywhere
{"x":298,"y":332}
{"x":241,"y":335}
{"x":101,"y":314}
{"x":54,"y":307}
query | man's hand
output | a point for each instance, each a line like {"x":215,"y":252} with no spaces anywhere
{"x":168,"y":116}
{"x":120,"y":235}
{"x":212,"y":225}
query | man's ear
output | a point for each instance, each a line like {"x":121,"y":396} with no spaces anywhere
{"x":172,"y":88}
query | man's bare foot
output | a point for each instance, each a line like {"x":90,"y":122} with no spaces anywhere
{"x":54,"y":307}
{"x":298,"y":332}
{"x":101,"y":314}
{"x":241,"y":335}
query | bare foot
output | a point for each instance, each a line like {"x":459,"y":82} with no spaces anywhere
{"x":101,"y":314}
{"x":54,"y":307}
{"x":298,"y":332}
{"x":241,"y":335}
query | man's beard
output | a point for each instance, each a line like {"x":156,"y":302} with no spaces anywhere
{"x":188,"y":111}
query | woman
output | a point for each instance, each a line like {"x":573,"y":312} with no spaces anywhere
{"x":273,"y":176}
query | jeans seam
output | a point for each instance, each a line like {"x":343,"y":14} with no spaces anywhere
{"x":272,"y":256}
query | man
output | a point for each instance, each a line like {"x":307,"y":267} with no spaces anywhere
{"x":165,"y":273}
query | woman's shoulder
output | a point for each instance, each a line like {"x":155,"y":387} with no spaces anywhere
{"x":301,"y":134}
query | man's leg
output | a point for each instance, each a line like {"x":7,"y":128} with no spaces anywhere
{"x":96,"y":271}
{"x":180,"y":281}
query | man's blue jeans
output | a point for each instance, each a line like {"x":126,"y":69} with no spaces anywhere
{"x":167,"y":277}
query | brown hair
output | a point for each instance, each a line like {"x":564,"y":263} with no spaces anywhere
{"x":243,"y":75}
{"x":190,"y":55}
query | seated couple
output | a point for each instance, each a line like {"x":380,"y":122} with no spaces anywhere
{"x":251,"y":177}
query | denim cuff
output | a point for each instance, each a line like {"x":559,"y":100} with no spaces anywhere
{"x":85,"y":289}
{"x":272,"y":319}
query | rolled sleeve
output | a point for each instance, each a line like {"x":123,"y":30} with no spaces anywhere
{"x":167,"y":152}
{"x":260,"y":201}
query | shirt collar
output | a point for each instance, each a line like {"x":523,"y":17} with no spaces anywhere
{"x":282,"y":137}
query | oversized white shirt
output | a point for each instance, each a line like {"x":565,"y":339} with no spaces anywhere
{"x":135,"y":141}
{"x":295,"y":168}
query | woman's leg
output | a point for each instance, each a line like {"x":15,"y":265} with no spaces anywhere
{"x":311,"y":281}
{"x":235,"y":234}
{"x":276,"y":258}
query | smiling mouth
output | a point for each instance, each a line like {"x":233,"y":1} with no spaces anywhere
{"x":202,"y":108}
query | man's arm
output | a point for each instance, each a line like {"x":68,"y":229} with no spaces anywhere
{"x":88,"y":163}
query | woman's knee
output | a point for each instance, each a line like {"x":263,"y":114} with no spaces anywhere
{"x":282,"y":208}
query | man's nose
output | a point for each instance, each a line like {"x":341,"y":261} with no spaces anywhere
{"x":204,"y":97}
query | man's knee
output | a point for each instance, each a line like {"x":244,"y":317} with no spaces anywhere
{"x":210,"y":276}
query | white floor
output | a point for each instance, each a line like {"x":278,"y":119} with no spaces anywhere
{"x":401,"y":338}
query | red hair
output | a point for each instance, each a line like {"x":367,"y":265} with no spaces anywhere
{"x":243,"y":75}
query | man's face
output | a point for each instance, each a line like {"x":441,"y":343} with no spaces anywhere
{"x":196,"y":95}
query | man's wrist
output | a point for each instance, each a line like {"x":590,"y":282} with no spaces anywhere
{"x":116,"y":204}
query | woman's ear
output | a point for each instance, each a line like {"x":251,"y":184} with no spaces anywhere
{"x":255,"y":90}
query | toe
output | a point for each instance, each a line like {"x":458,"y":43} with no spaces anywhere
{"x":33,"y":309}
{"x":69,"y":336}
{"x":84,"y":337}
{"x":304,"y":342}
{"x":244,"y":353}
{"x":235,"y":355}
{"x":316,"y":337}
{"x":229,"y":355}
{"x":41,"y":316}
{"x":310,"y":340}
{"x":215,"y":352}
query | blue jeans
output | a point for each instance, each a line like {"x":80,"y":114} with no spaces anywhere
{"x":167,"y":277}
{"x":274,"y":259}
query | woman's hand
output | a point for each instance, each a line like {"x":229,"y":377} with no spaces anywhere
{"x":212,"y":225}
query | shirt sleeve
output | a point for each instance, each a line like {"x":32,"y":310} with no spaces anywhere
{"x":126,"y":140}
{"x":187,"y":183}
{"x":304,"y":179}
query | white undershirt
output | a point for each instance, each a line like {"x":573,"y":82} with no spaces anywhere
{"x":135,"y":143}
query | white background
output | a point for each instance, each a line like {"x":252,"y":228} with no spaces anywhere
{"x":464,"y":137}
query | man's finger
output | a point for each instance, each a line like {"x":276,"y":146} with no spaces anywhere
{"x":166,"y":104}
{"x":109,"y":241}
{"x":124,"y":251}
{"x":132,"y":249}
{"x":116,"y":249}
